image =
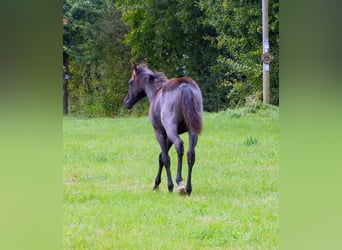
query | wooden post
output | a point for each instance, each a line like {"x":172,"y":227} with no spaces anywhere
{"x":265,"y":48}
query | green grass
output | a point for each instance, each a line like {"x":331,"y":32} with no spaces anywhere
{"x":109,"y":171}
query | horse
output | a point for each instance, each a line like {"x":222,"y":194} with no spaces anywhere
{"x":176,"y":107}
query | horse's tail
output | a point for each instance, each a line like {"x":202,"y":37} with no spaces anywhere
{"x":191,"y":109}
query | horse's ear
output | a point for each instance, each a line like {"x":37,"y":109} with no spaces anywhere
{"x":134,"y":66}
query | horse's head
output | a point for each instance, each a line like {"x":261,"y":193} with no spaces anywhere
{"x":136,"y":89}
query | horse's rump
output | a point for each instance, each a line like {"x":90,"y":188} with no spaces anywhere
{"x":176,"y":82}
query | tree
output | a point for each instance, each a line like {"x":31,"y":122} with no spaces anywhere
{"x":218,"y":43}
{"x":98,"y":58}
{"x":170,"y":37}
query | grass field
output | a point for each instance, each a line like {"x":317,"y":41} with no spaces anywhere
{"x":109,"y":170}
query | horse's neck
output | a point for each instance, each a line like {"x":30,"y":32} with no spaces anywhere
{"x":152,"y":88}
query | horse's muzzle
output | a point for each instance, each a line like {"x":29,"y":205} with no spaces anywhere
{"x":127,"y":103}
{"x":128,"y":106}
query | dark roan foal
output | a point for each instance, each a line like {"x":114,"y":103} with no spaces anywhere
{"x":176,"y":107}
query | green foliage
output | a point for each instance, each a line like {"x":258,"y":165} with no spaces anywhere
{"x":169,"y":35}
{"x":162,"y":35}
{"x":238,"y":39}
{"x":99,"y":60}
{"x":274,"y":49}
{"x":109,"y":170}
{"x":217,"y":43}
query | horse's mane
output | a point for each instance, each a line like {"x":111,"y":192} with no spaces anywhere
{"x":159,"y":80}
{"x":145,"y":73}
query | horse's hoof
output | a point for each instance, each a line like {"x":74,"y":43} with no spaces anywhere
{"x":188,"y":191}
{"x":182,"y":191}
{"x":170,"y":187}
{"x":155,"y":188}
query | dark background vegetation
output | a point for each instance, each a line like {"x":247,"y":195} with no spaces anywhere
{"x":217,"y":43}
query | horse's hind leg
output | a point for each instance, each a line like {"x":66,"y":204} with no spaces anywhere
{"x":164,"y":160}
{"x":179,"y":178}
{"x":178,"y":142}
{"x":191,"y":159}
{"x":157,"y":180}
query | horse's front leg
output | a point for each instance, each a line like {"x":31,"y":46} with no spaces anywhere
{"x":158,"y":177}
{"x":157,"y":180}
